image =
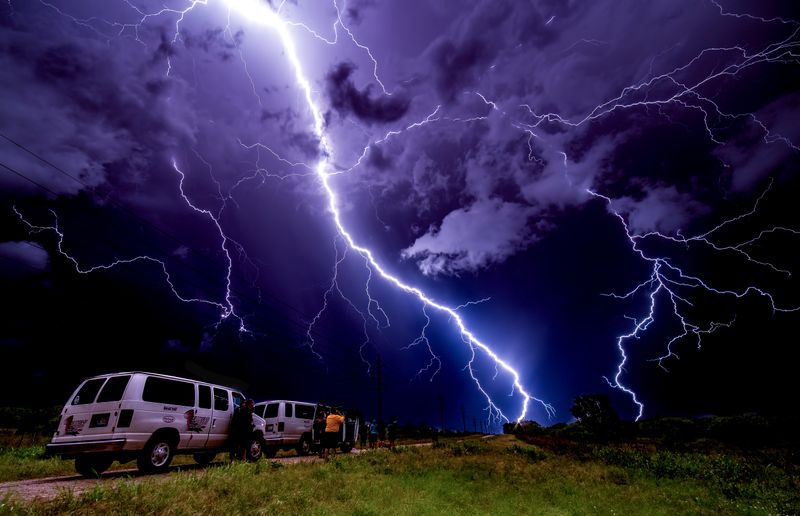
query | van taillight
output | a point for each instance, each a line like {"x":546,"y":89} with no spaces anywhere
{"x":125,"y":417}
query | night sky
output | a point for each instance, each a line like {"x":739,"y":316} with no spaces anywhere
{"x":579,"y":171}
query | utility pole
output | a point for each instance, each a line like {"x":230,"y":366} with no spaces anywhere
{"x":379,"y":389}
{"x":463,"y":418}
{"x":441,"y":410}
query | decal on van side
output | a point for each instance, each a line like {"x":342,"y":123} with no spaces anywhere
{"x":195,"y":423}
{"x":73,"y":426}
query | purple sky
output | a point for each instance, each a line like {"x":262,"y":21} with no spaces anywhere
{"x":535,"y":156}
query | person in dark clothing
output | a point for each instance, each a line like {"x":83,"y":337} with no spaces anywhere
{"x":391,"y":431}
{"x":319,"y":428}
{"x":241,"y":430}
{"x":363,"y":433}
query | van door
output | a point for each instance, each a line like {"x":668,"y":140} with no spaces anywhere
{"x":201,"y":420}
{"x":273,"y":436}
{"x":303,"y":420}
{"x":221,"y":418}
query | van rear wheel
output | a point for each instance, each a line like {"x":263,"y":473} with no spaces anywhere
{"x":156,"y":455}
{"x":92,"y":465}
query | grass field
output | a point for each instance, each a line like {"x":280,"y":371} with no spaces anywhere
{"x":498,"y":475}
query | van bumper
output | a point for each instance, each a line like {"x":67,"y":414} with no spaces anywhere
{"x":76,"y":448}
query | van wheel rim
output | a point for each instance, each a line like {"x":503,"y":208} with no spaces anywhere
{"x":160,"y":454}
{"x":255,"y":448}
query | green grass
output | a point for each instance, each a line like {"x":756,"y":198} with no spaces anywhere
{"x":493,"y":476}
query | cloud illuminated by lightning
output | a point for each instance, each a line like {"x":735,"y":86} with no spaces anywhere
{"x":260,"y":13}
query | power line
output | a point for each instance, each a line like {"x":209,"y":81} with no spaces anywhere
{"x":169,"y":256}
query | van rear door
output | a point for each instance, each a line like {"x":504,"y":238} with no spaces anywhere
{"x":94,"y":409}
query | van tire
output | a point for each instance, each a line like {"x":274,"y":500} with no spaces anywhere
{"x":204,"y":458}
{"x":346,"y":447}
{"x":255,"y":449}
{"x":304,"y":447}
{"x":157,"y":454}
{"x":92,"y":465}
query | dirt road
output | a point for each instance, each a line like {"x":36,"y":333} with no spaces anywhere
{"x":49,"y":488}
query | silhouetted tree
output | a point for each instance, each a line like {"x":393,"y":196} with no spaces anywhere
{"x":595,"y":412}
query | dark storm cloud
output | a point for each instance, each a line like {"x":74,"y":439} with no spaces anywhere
{"x":22,"y":258}
{"x":345,"y":98}
{"x":354,"y":13}
{"x":88,"y":107}
{"x":460,"y":58}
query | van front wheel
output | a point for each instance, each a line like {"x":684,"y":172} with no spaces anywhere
{"x":92,"y":465}
{"x":304,"y":448}
{"x":255,"y":449}
{"x":156,"y":455}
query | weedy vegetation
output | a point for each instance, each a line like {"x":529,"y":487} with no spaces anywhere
{"x":473,"y":475}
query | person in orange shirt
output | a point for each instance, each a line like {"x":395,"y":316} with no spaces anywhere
{"x":333,"y":423}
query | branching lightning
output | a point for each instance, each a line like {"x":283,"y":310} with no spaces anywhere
{"x":260,"y":13}
{"x":666,"y":283}
{"x":325,"y":169}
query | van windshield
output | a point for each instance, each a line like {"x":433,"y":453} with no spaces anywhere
{"x":271,"y":411}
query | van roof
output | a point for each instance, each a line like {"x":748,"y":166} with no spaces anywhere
{"x":287,"y":401}
{"x":160,"y":375}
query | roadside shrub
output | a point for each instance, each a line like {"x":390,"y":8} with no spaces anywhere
{"x":529,"y":453}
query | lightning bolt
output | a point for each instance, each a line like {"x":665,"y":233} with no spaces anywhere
{"x":326,"y":170}
{"x":675,"y":89}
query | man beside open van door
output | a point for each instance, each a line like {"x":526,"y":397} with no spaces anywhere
{"x":333,"y":423}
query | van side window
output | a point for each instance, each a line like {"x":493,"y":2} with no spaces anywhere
{"x":169,"y":392}
{"x":259,"y":410}
{"x":271,"y":411}
{"x":238,"y":399}
{"x":204,"y":392}
{"x":287,"y":410}
{"x":114,"y":388}
{"x":220,"y":399}
{"x":88,"y":391}
{"x":304,"y":411}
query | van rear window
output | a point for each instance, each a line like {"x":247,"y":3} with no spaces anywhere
{"x":114,"y":388}
{"x":88,"y":391}
{"x":169,"y":392}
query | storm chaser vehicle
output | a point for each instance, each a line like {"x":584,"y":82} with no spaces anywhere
{"x":290,"y":425}
{"x":147,"y":417}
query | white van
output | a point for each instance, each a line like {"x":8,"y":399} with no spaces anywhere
{"x":149,"y":417}
{"x":290,"y":425}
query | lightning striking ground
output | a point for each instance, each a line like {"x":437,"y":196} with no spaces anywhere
{"x":325,"y":169}
{"x":666,"y":284}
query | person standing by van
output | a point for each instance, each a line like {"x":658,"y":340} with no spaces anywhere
{"x":363,"y":433}
{"x":373,"y":435}
{"x":241,"y":430}
{"x":333,"y":424}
